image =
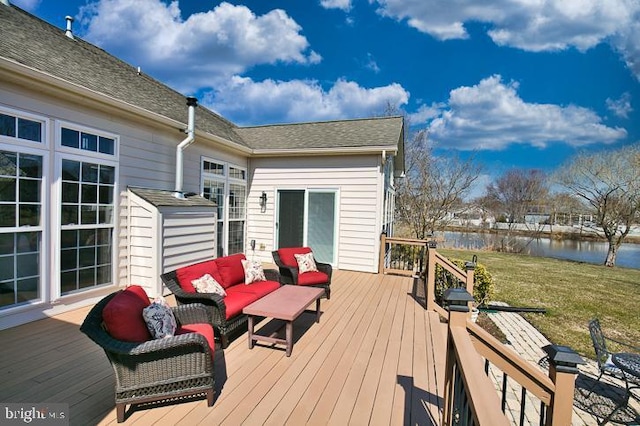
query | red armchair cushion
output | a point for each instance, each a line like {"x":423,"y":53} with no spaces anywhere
{"x":230,"y":270}
{"x":122,"y":316}
{"x":287,"y":255}
{"x":189,"y":273}
{"x":205,"y":329}
{"x":313,"y":277}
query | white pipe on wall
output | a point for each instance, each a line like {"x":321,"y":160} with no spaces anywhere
{"x":192,"y":103}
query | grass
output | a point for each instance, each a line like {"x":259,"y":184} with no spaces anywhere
{"x":571,"y":292}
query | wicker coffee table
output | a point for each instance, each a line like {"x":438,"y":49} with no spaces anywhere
{"x":286,"y":303}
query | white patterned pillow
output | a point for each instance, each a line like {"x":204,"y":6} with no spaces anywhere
{"x":252,"y":271}
{"x":306,"y":263}
{"x":160,"y":319}
{"x":208,"y":284}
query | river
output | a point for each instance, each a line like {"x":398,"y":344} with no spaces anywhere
{"x":583,"y":251}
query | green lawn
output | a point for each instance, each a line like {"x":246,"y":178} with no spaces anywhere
{"x":571,"y":292}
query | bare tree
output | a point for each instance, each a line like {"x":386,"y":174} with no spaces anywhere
{"x":610,"y":183}
{"x":433,"y":186}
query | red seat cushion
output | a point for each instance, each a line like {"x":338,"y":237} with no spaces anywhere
{"x":122,"y":316}
{"x":231,"y":270}
{"x":189,"y":273}
{"x":287,"y":255}
{"x":313,"y":277}
{"x":257,"y":288}
{"x":235,"y":301}
{"x":205,"y":329}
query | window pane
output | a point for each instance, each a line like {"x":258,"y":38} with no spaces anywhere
{"x":68,"y":281}
{"x":88,"y":142}
{"x":6,"y":268}
{"x":71,"y":170}
{"x":69,"y":239}
{"x":89,"y":172}
{"x":70,"y":138}
{"x":29,"y":215}
{"x":69,"y":214}
{"x":70,"y":192}
{"x":104,"y":274}
{"x":237,"y":198}
{"x":30,"y":166}
{"x":7,"y":215}
{"x":86,"y":257}
{"x":89,"y":215}
{"x":27,"y":242}
{"x":87,"y":237}
{"x":104,"y":256}
{"x":7,"y":189}
{"x":28,"y":289}
{"x":8,"y":163}
{"x":107,"y":145}
{"x":236,"y":173}
{"x":6,"y":244}
{"x":29,"y":191}
{"x":104,"y":237}
{"x":27,"y":265}
{"x":236,"y":237}
{"x":89,"y":194}
{"x":87,"y":278}
{"x":105,"y":214}
{"x":7,"y":294}
{"x":107,"y":175}
{"x":68,"y":259}
{"x":7,"y":125}
{"x":106,"y":195}
{"x":30,"y":130}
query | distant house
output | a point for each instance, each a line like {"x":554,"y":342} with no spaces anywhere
{"x":94,"y":156}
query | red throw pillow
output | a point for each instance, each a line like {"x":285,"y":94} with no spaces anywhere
{"x":287,"y":255}
{"x":122,"y":316}
{"x":231,"y":270}
{"x":189,"y":273}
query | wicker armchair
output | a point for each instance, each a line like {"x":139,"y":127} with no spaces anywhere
{"x":224,"y":326}
{"x":159,"y":369}
{"x":289,"y":273}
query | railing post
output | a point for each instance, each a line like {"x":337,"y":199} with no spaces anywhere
{"x":383,"y":246}
{"x":457,"y":301}
{"x":563,"y":369}
{"x":470,"y":269}
{"x":430,"y":294}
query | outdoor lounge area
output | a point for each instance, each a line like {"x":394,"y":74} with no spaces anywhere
{"x":375,"y":357}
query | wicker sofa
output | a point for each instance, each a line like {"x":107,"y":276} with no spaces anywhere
{"x":226,"y":312}
{"x":148,"y":369}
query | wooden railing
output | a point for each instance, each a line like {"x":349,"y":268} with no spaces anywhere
{"x":470,"y":396}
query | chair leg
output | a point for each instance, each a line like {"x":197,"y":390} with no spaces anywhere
{"x":224,"y":340}
{"x":210,"y":397}
{"x":120,"y":412}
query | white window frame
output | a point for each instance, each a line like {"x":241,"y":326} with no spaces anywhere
{"x":227,"y":181}
{"x":84,"y":152}
{"x":25,"y":143}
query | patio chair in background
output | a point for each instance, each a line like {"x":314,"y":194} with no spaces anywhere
{"x":151,"y":369}
{"x":318,"y":275}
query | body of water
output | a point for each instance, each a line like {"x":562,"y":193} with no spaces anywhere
{"x":583,"y":251}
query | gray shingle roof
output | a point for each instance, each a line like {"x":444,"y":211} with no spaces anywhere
{"x":161,"y":198}
{"x":30,"y":41}
{"x":361,"y":133}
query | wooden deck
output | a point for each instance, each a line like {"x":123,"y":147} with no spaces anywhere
{"x":376,"y":357}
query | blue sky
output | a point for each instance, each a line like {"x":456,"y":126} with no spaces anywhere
{"x":517,"y":83}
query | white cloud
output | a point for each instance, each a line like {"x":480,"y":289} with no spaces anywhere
{"x":620,"y":107}
{"x":336,"y":4}
{"x":272,"y":101}
{"x":426,"y":113}
{"x":29,"y":5}
{"x":491,"y":116}
{"x":532,"y":25}
{"x":195,"y":52}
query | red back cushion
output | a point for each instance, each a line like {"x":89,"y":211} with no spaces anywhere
{"x":231,"y":270}
{"x":189,"y":273}
{"x":287,"y":255}
{"x":122,"y":316}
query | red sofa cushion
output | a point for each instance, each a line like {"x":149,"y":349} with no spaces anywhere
{"x":186,"y":274}
{"x":287,"y":255}
{"x":236,"y":300}
{"x":313,"y":277}
{"x":205,"y":329}
{"x":258,"y":288}
{"x":122,"y":316}
{"x":230,"y":270}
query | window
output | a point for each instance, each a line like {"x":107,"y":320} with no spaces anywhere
{"x":87,"y":141}
{"x":20,"y":128}
{"x":227,"y":186}
{"x":20,"y":227}
{"x":87,"y":224}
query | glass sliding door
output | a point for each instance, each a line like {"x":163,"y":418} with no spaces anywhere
{"x":290,"y":223}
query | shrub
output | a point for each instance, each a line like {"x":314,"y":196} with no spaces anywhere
{"x":483,"y":288}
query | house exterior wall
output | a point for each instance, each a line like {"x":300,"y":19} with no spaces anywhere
{"x":359,"y":182}
{"x":145,"y":157}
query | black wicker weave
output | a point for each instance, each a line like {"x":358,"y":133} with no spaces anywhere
{"x":289,"y":275}
{"x":224,"y":327}
{"x":160,"y":369}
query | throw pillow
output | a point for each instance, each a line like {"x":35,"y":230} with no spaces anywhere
{"x":252,"y":271}
{"x":208,"y":284}
{"x":160,"y":319}
{"x":306,"y":263}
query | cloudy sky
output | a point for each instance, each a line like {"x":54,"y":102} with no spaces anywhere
{"x":516,"y":83}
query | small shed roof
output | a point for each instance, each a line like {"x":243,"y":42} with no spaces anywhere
{"x":163,"y":198}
